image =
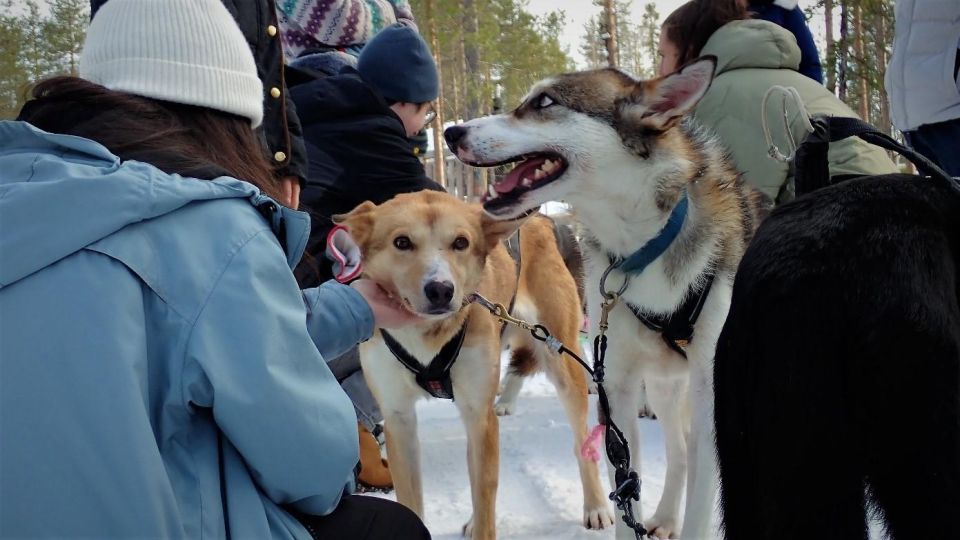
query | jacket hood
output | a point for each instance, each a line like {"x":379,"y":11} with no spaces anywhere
{"x":61,"y":193}
{"x":753,"y":44}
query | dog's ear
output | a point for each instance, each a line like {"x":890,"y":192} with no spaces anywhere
{"x":661,"y":103}
{"x":495,"y":230}
{"x":359,"y":222}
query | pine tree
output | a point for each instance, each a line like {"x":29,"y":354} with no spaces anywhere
{"x":856,"y":62}
{"x":609,"y":28}
{"x":36,"y":56}
{"x":488,"y":59}
{"x":12,"y":73}
{"x":64,"y":31}
{"x":591,"y":44}
{"x":650,"y":39}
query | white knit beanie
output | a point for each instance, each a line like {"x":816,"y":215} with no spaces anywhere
{"x":184,"y":51}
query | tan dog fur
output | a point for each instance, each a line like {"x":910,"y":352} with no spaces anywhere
{"x":546,"y":293}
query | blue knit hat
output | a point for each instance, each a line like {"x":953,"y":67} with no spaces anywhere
{"x":398,"y":64}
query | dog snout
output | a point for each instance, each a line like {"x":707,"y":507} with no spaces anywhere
{"x":453,"y":135}
{"x":439,"y":293}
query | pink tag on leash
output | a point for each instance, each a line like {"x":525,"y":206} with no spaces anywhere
{"x":591,"y":446}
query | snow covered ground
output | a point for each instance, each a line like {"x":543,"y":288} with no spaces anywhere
{"x":539,"y":495}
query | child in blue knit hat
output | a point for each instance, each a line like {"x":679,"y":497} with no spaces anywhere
{"x":357,"y":123}
{"x":356,"y":127}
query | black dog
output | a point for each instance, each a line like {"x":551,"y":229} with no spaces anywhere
{"x":837,"y":373}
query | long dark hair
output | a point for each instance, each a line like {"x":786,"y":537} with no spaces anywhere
{"x":690,"y":26}
{"x":181,"y":139}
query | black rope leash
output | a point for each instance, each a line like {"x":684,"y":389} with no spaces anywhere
{"x":618,"y":452}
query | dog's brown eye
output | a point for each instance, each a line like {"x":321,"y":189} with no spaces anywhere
{"x":461,"y":243}
{"x":403,"y":243}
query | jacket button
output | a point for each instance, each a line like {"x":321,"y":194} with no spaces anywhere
{"x":271,"y":30}
{"x":274,"y":92}
{"x":280,"y":156}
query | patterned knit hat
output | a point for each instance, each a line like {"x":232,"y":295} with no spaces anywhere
{"x":323,"y":24}
{"x":183,"y":51}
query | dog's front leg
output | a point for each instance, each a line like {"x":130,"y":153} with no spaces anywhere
{"x":483,"y":463}
{"x":403,"y":451}
{"x":475,"y":386}
{"x":702,"y":481}
{"x":669,"y":400}
{"x":624,"y":398}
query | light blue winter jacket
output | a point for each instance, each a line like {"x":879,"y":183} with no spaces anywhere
{"x":159,"y":367}
{"x":920,"y":78}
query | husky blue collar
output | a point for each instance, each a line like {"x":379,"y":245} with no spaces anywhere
{"x":639,"y":260}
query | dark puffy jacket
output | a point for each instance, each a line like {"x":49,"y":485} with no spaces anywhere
{"x":280,"y":133}
{"x":358,"y":151}
{"x":785,"y":13}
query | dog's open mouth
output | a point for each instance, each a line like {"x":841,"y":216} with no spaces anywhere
{"x":533,"y":171}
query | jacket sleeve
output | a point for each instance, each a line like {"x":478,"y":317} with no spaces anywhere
{"x":334,"y":305}
{"x":795,"y":22}
{"x":251,"y":359}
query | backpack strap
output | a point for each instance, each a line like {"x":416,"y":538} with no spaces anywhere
{"x":812,"y":169}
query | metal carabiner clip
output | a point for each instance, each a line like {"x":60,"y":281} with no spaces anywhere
{"x":607,"y":295}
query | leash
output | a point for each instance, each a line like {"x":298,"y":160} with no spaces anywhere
{"x":618,"y":452}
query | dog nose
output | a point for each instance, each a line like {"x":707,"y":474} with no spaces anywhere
{"x":453,"y":135}
{"x":439,"y":293}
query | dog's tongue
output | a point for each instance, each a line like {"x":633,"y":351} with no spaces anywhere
{"x":524,"y":169}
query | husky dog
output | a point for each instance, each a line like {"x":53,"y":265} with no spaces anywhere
{"x":637,"y":175}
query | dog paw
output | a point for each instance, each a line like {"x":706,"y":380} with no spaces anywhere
{"x":598,"y":518}
{"x":468,"y":528}
{"x":661,"y":528}
{"x":503,"y":408}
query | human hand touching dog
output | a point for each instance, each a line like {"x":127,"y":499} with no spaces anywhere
{"x":388,"y":311}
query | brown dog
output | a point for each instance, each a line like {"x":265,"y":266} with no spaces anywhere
{"x":432,"y":250}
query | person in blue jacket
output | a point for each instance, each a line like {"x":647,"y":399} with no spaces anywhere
{"x":162,"y":375}
{"x":787,"y":13}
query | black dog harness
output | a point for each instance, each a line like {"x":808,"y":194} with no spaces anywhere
{"x":675,"y":328}
{"x":435,"y":377}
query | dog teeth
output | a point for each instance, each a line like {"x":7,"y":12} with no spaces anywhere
{"x":526,"y":182}
{"x":548,"y":166}
{"x":491,"y":191}
{"x":539,"y":174}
